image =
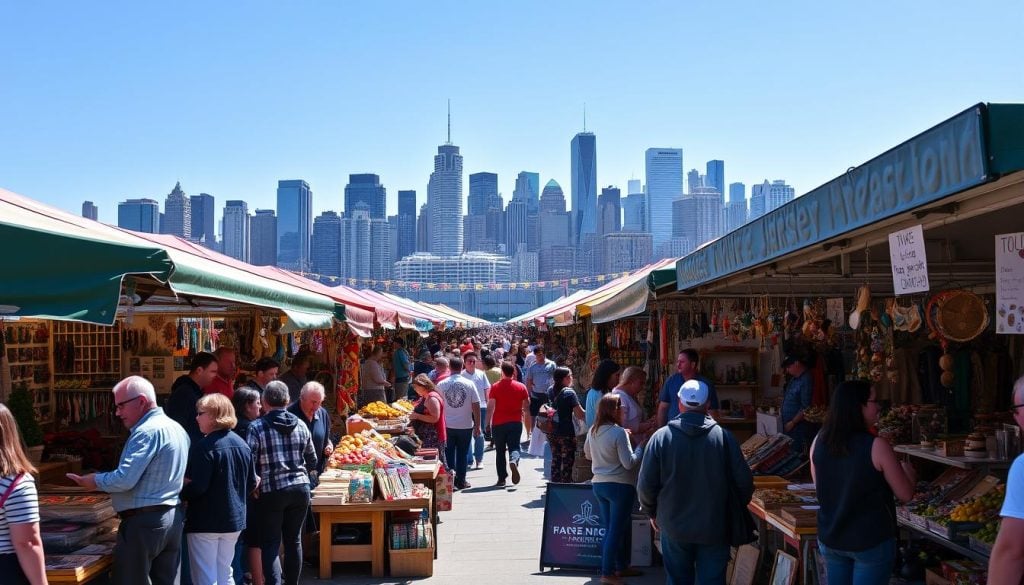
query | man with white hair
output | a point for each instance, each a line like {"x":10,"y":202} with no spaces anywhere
{"x":309,"y":409}
{"x":144,"y":488}
{"x":1006,"y":565}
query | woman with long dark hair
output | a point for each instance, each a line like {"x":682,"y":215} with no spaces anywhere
{"x":606,"y":376}
{"x":856,"y":475}
{"x":563,"y":439}
{"x":609,"y":447}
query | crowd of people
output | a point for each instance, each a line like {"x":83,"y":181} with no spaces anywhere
{"x":214,"y":487}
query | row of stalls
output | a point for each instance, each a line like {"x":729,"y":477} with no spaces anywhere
{"x":84,"y":304}
{"x":907,"y":271}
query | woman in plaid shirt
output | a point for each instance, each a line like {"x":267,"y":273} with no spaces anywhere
{"x":285,"y":458}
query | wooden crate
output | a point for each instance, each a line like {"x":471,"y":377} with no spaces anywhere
{"x":413,"y":562}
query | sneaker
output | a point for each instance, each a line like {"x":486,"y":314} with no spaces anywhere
{"x":515,"y":472}
{"x":462,"y":486}
{"x":500,"y":483}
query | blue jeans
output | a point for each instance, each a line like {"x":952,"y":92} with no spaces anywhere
{"x":478,"y":443}
{"x":456,"y":450}
{"x":686,"y":564}
{"x":616,"y":501}
{"x":863,"y":567}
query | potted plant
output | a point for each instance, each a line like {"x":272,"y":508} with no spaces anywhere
{"x":21,"y":404}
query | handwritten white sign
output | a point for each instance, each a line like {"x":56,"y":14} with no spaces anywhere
{"x":909,"y":264}
{"x":1010,"y":283}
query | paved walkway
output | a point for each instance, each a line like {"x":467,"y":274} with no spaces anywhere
{"x":492,"y":535}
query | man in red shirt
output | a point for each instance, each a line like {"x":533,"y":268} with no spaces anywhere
{"x":224,"y":381}
{"x":507,"y":404}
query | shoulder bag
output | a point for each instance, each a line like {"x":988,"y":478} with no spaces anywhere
{"x":739,"y":523}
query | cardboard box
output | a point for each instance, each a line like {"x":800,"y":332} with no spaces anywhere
{"x":640,"y":549}
{"x":950,"y":448}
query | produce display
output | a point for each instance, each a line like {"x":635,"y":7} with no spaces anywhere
{"x":365,"y":447}
{"x":404,"y":405}
{"x":771,"y":498}
{"x":380,"y":410}
{"x":980,"y":509}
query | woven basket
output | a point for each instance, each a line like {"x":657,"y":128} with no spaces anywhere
{"x":960,"y":315}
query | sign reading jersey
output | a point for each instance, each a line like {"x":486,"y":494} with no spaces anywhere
{"x":939,"y":162}
{"x":573,"y":530}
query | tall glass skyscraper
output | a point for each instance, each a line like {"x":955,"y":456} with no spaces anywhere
{"x":406,"y":224}
{"x":326,"y":245}
{"x":202,"y":219}
{"x":483,"y":193}
{"x":664,"y":176}
{"x":528,"y":190}
{"x":444,"y":199}
{"x":140,"y":215}
{"x":90,"y":211}
{"x":263,"y":238}
{"x":584,"y":184}
{"x":177,"y":214}
{"x":715,"y":177}
{"x":366,"y":188}
{"x":237,"y":230}
{"x":294,"y":224}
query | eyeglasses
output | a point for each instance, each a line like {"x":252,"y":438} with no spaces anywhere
{"x":120,"y":405}
{"x":1014,"y":408}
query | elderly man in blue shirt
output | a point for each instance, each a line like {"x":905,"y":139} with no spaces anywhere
{"x":144,"y":488}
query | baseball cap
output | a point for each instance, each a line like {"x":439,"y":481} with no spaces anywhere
{"x":790,"y":360}
{"x":693,"y":393}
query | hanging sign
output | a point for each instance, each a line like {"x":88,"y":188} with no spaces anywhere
{"x":573,"y":529}
{"x":1010,"y":283}
{"x":909,"y":264}
{"x":834,"y":310}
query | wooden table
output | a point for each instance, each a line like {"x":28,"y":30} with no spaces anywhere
{"x":372,"y":513}
{"x":81,"y":574}
{"x":801,"y":538}
{"x":426,"y":473}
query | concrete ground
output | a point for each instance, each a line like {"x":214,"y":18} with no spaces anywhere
{"x":492,"y":535}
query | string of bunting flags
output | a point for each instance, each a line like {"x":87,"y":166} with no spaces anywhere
{"x":404,"y":285}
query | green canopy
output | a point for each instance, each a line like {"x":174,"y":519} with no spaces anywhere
{"x":65,"y":276}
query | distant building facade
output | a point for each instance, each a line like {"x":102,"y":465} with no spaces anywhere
{"x":140,"y":215}
{"x":294,"y":224}
{"x":263,"y":239}
{"x":177,"y":220}
{"x":90,"y":211}
{"x":237,"y":231}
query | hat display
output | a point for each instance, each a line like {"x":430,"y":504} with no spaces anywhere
{"x":693,"y":393}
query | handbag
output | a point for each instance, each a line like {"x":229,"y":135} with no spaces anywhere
{"x":739,"y":522}
{"x":546,"y":419}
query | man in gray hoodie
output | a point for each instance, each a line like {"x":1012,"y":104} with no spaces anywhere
{"x":683,"y":487}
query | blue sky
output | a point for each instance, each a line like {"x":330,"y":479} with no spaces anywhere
{"x":107,"y":101}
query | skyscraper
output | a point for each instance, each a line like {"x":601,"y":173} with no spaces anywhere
{"x":483,"y":192}
{"x":406,"y":224}
{"x":759,"y":199}
{"x":697,"y":216}
{"x":516,"y":233}
{"x":584,"y":184}
{"x":202,"y":219}
{"x":90,"y":211}
{"x":634,"y":208}
{"x":715,"y":177}
{"x":736,"y":210}
{"x":177,"y":214}
{"x":664,"y":177}
{"x":294,"y":224}
{"x":444,"y":200}
{"x":366,"y":188}
{"x":528,"y":189}
{"x":779,"y":194}
{"x":634,"y":186}
{"x":609,"y":211}
{"x":552,"y":199}
{"x":237,"y":231}
{"x":423,"y":229}
{"x":365,"y":254}
{"x":263,"y":238}
{"x":141,"y":215}
{"x":625,"y":251}
{"x":694,"y":181}
{"x":325,"y":248}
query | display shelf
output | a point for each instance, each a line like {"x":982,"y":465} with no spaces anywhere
{"x":30,"y":363}
{"x":961,"y":462}
{"x":953,"y":546}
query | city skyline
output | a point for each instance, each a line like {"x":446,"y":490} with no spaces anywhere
{"x":205,"y":114}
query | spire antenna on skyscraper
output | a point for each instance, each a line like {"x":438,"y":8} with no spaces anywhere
{"x":584,"y":116}
{"x":449,"y":122}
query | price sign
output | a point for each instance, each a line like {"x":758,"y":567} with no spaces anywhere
{"x":909,"y":264}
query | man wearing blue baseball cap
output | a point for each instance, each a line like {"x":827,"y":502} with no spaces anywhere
{"x":683,"y":487}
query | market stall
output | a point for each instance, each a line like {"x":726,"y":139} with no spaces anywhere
{"x":902,"y":272}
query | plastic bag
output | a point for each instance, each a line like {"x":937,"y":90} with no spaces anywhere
{"x":537,"y":441}
{"x":445,"y":486}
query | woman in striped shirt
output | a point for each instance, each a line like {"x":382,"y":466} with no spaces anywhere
{"x":21,"y":547}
